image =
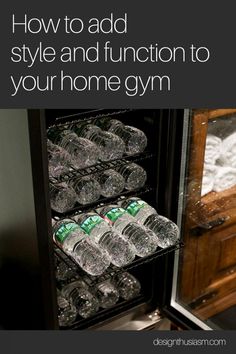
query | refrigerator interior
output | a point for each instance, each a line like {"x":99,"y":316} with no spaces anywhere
{"x":149,"y":270}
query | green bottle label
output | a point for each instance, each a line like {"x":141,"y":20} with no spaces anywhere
{"x":64,"y":230}
{"x":113,"y":214}
{"x":89,"y":223}
{"x":134,"y":207}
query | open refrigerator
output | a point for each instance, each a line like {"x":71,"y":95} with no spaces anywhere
{"x":174,"y":163}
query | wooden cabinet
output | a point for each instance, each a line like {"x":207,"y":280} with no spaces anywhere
{"x":207,"y":276}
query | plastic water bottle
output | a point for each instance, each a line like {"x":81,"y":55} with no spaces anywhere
{"x":73,"y":241}
{"x":83,"y":151}
{"x":143,"y":240}
{"x":134,"y":175}
{"x":59,"y":160}
{"x":78,"y":294}
{"x":128,"y":286}
{"x":110,"y":145}
{"x":135,"y":140}
{"x":111,"y":182}
{"x":64,"y":272}
{"x":62,"y":197}
{"x":87,"y":188}
{"x":166,"y":230}
{"x":107,"y":294}
{"x":120,"y":251}
{"x":67,"y":313}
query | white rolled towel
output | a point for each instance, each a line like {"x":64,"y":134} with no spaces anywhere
{"x":225,"y":178}
{"x":228,"y":151}
{"x":212,"y":149}
{"x":208,"y":178}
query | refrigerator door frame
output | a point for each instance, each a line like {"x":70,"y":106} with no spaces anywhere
{"x":38,"y":150}
{"x":171,"y":308}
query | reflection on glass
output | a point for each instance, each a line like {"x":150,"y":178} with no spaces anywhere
{"x":219,"y":172}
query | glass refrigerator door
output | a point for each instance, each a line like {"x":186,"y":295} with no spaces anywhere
{"x":204,"y":282}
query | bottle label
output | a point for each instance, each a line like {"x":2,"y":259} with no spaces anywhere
{"x":64,"y":230}
{"x":89,"y":223}
{"x":134,"y":207}
{"x":112,"y":215}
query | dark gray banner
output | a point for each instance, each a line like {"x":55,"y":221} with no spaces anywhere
{"x":117,"y":342}
{"x":149,"y":54}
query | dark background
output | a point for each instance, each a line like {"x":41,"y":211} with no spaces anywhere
{"x":167,"y":23}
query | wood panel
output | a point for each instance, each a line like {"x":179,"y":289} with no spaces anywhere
{"x":215,"y":306}
{"x":215,"y":113}
{"x":227,"y":256}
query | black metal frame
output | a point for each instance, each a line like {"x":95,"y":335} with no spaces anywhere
{"x":37,"y":129}
{"x":174,"y":147}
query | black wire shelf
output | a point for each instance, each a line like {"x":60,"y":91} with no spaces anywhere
{"x":113,"y":270}
{"x":87,"y":117}
{"x":120,"y":306}
{"x":103,"y":201}
{"x":103,"y":166}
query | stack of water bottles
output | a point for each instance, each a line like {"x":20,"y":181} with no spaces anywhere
{"x":111,"y":235}
{"x":85,"y":145}
{"x":77,"y":297}
{"x":82,"y":145}
{"x":114,"y":235}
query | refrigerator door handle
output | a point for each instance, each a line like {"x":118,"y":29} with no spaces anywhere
{"x":201,"y":229}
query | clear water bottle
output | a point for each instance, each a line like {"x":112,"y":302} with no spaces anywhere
{"x":135,"y":140}
{"x":166,"y":230}
{"x":64,"y":272}
{"x":87,"y":188}
{"x":73,"y":241}
{"x":107,"y":294}
{"x":128,"y":286}
{"x":120,"y":251}
{"x":62,"y":197}
{"x":59,"y":160}
{"x":110,"y":145}
{"x":134,"y":175}
{"x":67,"y":313}
{"x":83,"y":152}
{"x":111,"y":182}
{"x":143,"y":240}
{"x":78,"y":294}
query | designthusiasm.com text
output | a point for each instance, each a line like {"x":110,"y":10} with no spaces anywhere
{"x":189,"y":342}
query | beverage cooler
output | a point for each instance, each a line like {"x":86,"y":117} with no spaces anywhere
{"x":117,"y":219}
